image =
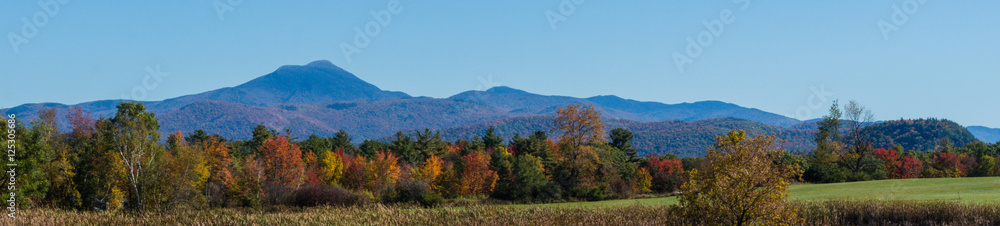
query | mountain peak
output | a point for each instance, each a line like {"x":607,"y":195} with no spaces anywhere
{"x":321,"y":63}
{"x":504,"y":90}
{"x":317,"y":82}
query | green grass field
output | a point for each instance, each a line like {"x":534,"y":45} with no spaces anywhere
{"x":971,"y":190}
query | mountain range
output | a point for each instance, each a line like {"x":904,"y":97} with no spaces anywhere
{"x":321,"y":98}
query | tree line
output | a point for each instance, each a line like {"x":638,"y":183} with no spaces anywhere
{"x":845,"y":151}
{"x":121,"y":163}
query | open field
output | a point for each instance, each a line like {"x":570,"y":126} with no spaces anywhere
{"x":872,"y":202}
{"x":969,"y":190}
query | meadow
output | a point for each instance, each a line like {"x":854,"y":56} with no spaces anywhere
{"x":910,"y":201}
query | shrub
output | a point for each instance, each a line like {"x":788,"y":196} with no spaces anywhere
{"x":417,"y":191}
{"x":323,"y":194}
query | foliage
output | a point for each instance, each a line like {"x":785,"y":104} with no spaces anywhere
{"x":579,"y":124}
{"x":666,"y":174}
{"x":332,"y":167}
{"x":620,"y":139}
{"x":477,"y":180}
{"x":220,"y":174}
{"x":283,"y":168}
{"x":133,"y":135}
{"x":742,"y":186}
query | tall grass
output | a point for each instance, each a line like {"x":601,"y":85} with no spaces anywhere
{"x":882,"y":212}
{"x":370,"y":215}
{"x":835,"y":212}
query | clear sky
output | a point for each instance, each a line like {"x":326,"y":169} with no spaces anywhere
{"x":938,"y":59}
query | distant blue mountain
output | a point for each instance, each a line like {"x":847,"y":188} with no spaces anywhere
{"x":321,"y":98}
{"x":985,"y":134}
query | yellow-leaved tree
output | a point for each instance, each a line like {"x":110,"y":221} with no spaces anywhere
{"x":743,"y":185}
{"x":332,"y":167}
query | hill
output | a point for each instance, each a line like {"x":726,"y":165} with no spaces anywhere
{"x":920,"y":134}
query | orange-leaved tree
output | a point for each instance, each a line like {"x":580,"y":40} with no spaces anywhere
{"x":381,"y":173}
{"x":220,"y":178}
{"x":477,"y":179}
{"x":283,"y":167}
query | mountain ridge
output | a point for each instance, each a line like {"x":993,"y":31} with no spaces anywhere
{"x":320,"y":98}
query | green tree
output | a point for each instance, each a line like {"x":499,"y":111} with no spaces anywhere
{"x":134,"y":137}
{"x":492,"y":140}
{"x":620,"y":139}
{"x":197,"y":137}
{"x":402,"y":146}
{"x":428,"y":144}
{"x":38,"y":152}
{"x":823,"y":165}
{"x":985,"y":167}
{"x":342,"y":141}
{"x":369,"y":148}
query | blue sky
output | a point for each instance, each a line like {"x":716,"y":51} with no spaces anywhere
{"x":941,"y":61}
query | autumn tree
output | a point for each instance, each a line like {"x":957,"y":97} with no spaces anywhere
{"x":133,"y":136}
{"x":283,"y":167}
{"x":429,"y":171}
{"x":381,"y":173}
{"x":184,"y":174}
{"x":577,"y":163}
{"x":580,"y":124}
{"x":312,"y":168}
{"x":99,"y":171}
{"x":644,"y":181}
{"x":666,"y":174}
{"x":743,"y":184}
{"x":220,"y":176}
{"x":332,"y":167}
{"x":477,"y":179}
{"x":247,"y":188}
